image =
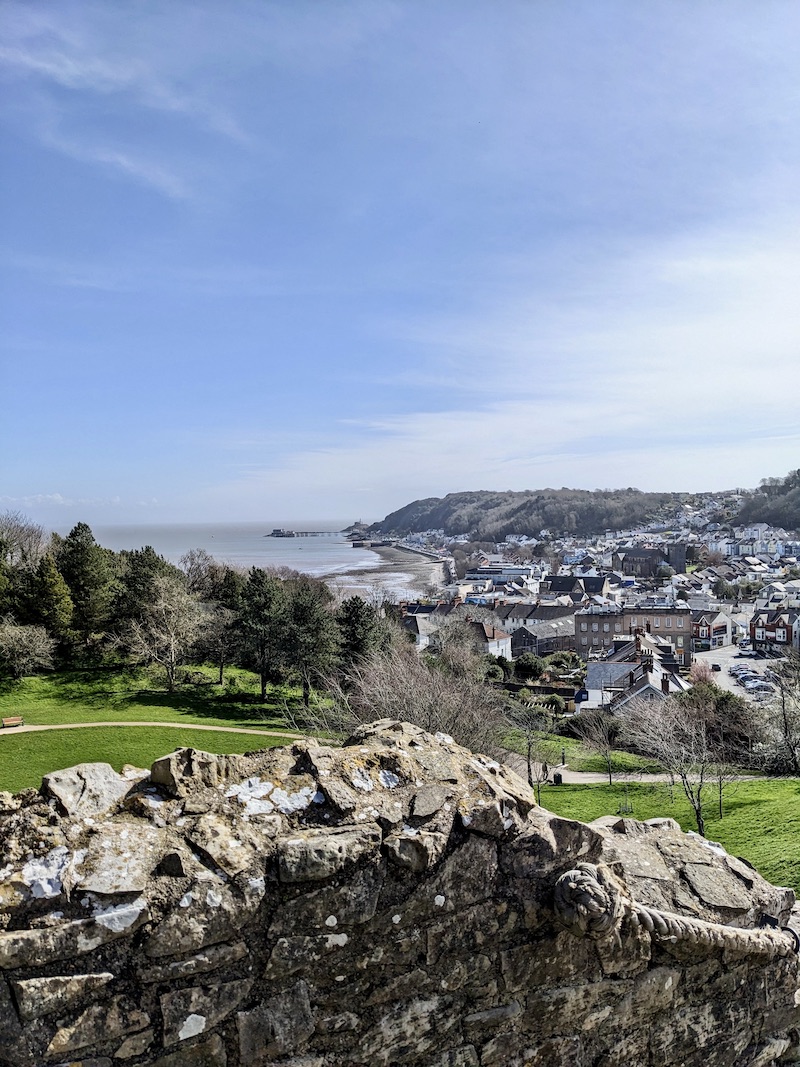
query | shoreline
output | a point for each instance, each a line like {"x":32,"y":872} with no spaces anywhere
{"x":398,"y":569}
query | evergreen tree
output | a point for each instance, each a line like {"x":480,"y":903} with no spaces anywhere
{"x":261,"y":622}
{"x":84,"y":567}
{"x":361,"y":630}
{"x":311,"y":636}
{"x":54,"y":606}
{"x":139,"y":570}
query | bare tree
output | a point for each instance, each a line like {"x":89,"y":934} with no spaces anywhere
{"x":535,"y":722}
{"x":24,"y":649}
{"x":783,"y":717}
{"x":169,"y":628}
{"x":701,"y":738}
{"x":677,"y":735}
{"x":598,"y":731}
{"x":399,"y":685}
{"x":21,"y":541}
{"x":700,"y":673}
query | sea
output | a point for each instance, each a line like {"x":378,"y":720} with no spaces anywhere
{"x":327,"y":554}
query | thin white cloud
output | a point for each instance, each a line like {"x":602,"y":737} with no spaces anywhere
{"x":675,"y":369}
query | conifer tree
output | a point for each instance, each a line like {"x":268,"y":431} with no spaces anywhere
{"x":84,"y":567}
{"x":54,"y":607}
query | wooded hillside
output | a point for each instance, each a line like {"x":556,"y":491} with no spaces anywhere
{"x":776,"y":501}
{"x":491,"y":516}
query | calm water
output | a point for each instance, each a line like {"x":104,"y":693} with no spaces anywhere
{"x":244,"y":544}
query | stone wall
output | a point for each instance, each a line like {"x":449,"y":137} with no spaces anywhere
{"x":395,"y":901}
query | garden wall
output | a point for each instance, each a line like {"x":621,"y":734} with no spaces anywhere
{"x":395,"y":901}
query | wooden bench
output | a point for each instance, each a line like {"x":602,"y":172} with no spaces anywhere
{"x":13,"y":720}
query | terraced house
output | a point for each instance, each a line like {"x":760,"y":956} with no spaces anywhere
{"x":775,"y":631}
{"x":599,"y":628}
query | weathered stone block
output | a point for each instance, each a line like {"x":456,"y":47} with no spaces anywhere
{"x":278,"y":1026}
{"x":210,"y":959}
{"x":89,"y":789}
{"x":21,"y":948}
{"x":314,"y":855}
{"x":120,"y":858}
{"x":210,"y":1053}
{"x":416,"y":851}
{"x":97,"y":1024}
{"x":189,"y":1012}
{"x":42,"y":996}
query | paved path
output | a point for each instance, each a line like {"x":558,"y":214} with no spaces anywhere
{"x":10,"y":730}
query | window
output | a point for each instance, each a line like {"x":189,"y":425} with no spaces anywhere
{"x":584,"y":640}
{"x":668,"y":623}
{"x":617,"y":627}
{"x":680,"y":641}
{"x":759,"y":634}
{"x":605,"y":627}
{"x":583,"y":627}
{"x":679,"y":624}
{"x":595,"y":627}
{"x":780,"y":635}
{"x":656,"y":622}
{"x":634,"y":622}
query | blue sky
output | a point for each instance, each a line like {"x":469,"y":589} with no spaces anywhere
{"x":309,"y":259}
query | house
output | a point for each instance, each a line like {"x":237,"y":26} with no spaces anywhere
{"x":490,"y":639}
{"x":710,"y":629}
{"x":775,"y":631}
{"x":544,"y":636}
{"x":597,"y":626}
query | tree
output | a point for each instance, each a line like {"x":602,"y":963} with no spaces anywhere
{"x":85,"y":568}
{"x":310,"y":638}
{"x":168,"y":627}
{"x":53,"y":602}
{"x":535,"y":722}
{"x":361,"y":630}
{"x":723,"y":590}
{"x":24,"y":649}
{"x":139,"y":571}
{"x":783,"y":717}
{"x":699,"y":737}
{"x":219,"y":638}
{"x":261,"y":621}
{"x":700,"y":673}
{"x":21,"y":541}
{"x":677,"y":737}
{"x":397,"y":684}
{"x":529,"y":666}
{"x":598,"y":731}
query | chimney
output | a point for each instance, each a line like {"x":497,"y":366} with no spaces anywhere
{"x":665,"y":684}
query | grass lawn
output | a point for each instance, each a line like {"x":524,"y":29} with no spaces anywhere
{"x":761,"y":820}
{"x":579,"y":758}
{"x":25,"y":758}
{"x":123,"y":694}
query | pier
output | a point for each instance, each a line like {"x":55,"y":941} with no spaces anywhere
{"x":303,"y":533}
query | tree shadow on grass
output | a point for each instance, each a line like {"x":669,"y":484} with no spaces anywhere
{"x":239,"y":710}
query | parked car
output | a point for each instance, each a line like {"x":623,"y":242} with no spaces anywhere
{"x":715,"y":667}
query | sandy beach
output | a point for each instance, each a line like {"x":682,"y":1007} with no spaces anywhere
{"x":401,"y":575}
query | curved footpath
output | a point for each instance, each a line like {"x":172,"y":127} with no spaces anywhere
{"x":167,"y":725}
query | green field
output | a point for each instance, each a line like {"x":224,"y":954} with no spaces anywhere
{"x":761,"y":819}
{"x":25,"y":758}
{"x":126,"y":695}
